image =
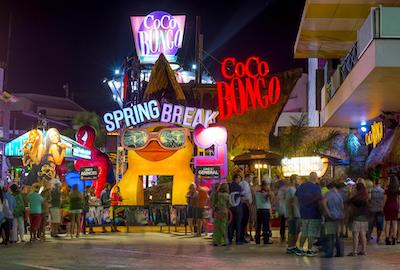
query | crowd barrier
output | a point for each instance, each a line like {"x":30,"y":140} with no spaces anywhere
{"x":163,"y":215}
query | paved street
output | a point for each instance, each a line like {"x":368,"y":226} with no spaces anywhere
{"x":168,"y":251}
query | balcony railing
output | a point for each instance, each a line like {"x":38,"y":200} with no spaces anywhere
{"x":382,"y":22}
{"x":342,"y":71}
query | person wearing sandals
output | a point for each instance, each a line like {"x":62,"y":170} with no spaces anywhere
{"x":359,"y":203}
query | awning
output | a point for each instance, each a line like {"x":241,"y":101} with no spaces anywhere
{"x":328,"y":28}
{"x":251,"y":156}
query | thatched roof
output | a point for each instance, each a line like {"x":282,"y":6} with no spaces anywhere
{"x":162,"y":82}
{"x":252,"y":129}
{"x":386,"y":152}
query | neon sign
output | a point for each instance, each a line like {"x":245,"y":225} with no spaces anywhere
{"x":152,"y":111}
{"x":303,"y":166}
{"x":158,"y":32}
{"x":375,"y":135}
{"x":248,"y":83}
{"x":206,"y":138}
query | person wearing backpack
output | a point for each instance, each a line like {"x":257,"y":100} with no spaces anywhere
{"x":333,"y":208}
{"x":18,"y":227}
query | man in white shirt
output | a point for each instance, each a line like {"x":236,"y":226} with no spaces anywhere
{"x":247,"y":199}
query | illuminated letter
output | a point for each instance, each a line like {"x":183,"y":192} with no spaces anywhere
{"x":166,"y":113}
{"x":248,"y":63}
{"x":144,"y":42}
{"x":239,"y":70}
{"x":274,"y":90}
{"x":118,"y":116}
{"x":146,"y":25}
{"x":108,"y":119}
{"x":224,"y":67}
{"x":129,"y":119}
{"x":210,"y":117}
{"x":188,"y":117}
{"x":198,"y":118}
{"x":258,"y":89}
{"x":244,"y":106}
{"x":143,"y":109}
{"x":224,"y":108}
{"x":154,"y":109}
{"x":260,"y":68}
{"x":177,"y":115}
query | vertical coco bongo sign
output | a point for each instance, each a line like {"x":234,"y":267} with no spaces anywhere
{"x":158,"y":32}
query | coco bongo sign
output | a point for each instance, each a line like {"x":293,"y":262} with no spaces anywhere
{"x":247,"y":85}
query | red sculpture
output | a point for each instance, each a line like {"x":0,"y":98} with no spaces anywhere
{"x":86,"y":136}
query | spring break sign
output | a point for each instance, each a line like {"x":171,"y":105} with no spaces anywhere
{"x":158,"y":32}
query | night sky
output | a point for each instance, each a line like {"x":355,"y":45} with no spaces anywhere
{"x":82,"y":42}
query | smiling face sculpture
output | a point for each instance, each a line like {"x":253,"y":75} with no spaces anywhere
{"x":157,"y":150}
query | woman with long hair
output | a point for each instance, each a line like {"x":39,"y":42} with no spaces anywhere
{"x":54,"y":150}
{"x":359,"y":203}
{"x":391,"y":210}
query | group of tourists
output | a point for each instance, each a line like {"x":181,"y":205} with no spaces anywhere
{"x":57,"y":206}
{"x":317,"y":213}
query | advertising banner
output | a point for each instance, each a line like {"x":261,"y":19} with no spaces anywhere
{"x":89,"y":173}
{"x":208,"y":172}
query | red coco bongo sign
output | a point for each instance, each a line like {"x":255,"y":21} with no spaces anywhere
{"x":247,"y":85}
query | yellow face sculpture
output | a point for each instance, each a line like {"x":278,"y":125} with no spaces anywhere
{"x":159,"y":151}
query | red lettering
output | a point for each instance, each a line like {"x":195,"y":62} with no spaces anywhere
{"x":252,"y":92}
{"x":260,"y":70}
{"x":224,"y":108}
{"x":274,"y":90}
{"x":242,"y":97}
{"x":247,"y":82}
{"x":248,"y":63}
{"x":239,"y":70}
{"x":259,"y":87}
{"x":224,"y":67}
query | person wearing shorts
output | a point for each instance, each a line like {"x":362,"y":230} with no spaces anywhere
{"x":376,"y":216}
{"x":292,"y":215}
{"x":35,"y":201}
{"x":202,"y":208}
{"x":309,"y":197}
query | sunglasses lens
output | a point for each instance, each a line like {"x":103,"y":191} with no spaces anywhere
{"x":172,"y":138}
{"x":135,"y":138}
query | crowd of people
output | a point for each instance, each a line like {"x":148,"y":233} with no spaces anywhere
{"x":314,"y":214}
{"x":317,"y":213}
{"x":57,"y":206}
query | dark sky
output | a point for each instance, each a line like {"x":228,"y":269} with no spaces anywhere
{"x":81,"y":42}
